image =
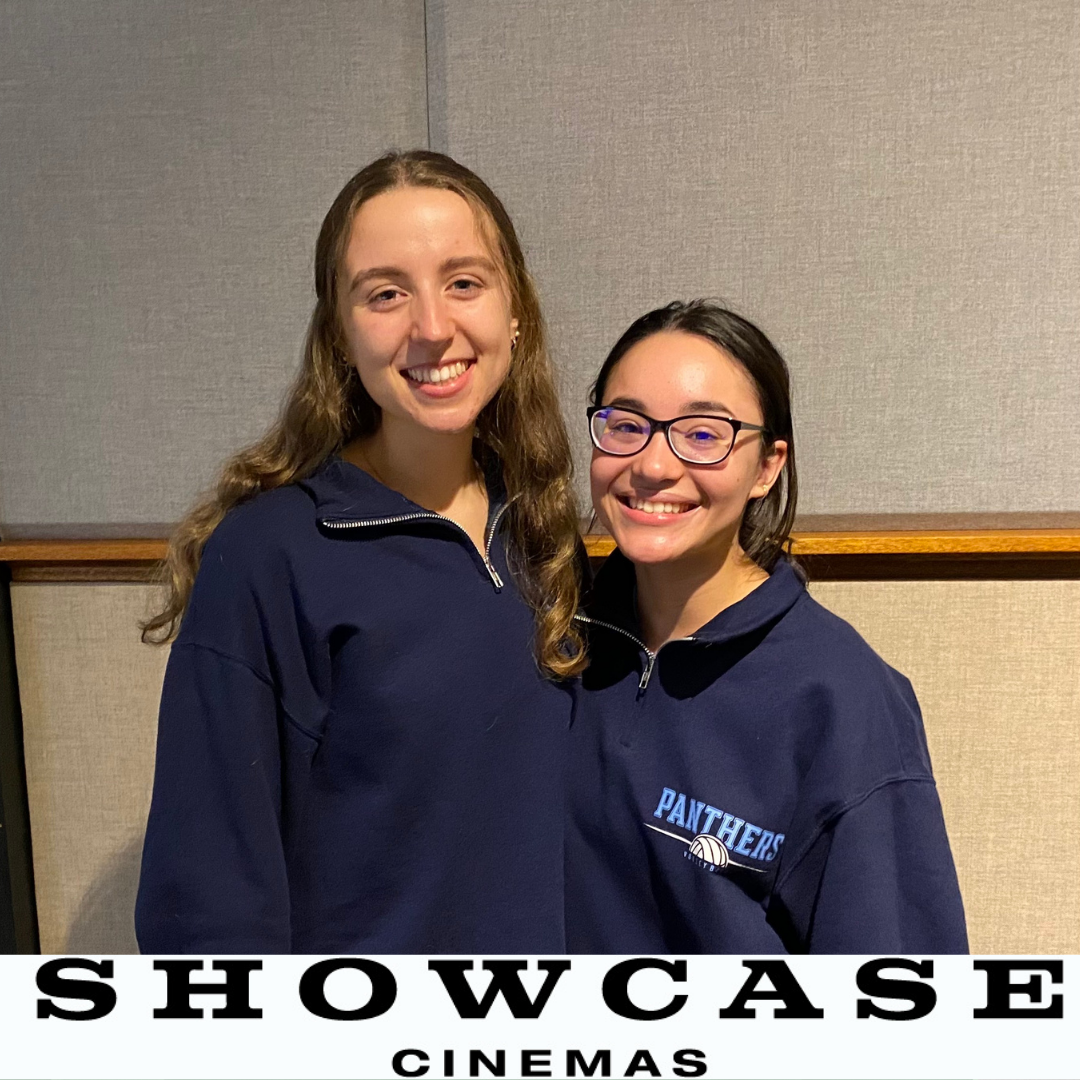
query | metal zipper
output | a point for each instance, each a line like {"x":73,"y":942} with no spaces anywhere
{"x":487,"y":546}
{"x":651,"y":656}
{"x":429,"y":515}
{"x":637,"y":641}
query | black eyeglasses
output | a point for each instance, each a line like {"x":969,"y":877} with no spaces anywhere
{"x":698,"y":440}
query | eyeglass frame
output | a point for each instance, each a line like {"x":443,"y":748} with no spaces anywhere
{"x":665,"y":427}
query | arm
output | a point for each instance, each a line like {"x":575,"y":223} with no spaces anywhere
{"x":879,"y":878}
{"x":213,"y":871}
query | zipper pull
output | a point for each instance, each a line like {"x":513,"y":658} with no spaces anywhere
{"x":648,"y":670}
{"x":486,"y":554}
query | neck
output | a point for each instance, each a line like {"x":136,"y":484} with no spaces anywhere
{"x":676,"y":598}
{"x":430,"y":468}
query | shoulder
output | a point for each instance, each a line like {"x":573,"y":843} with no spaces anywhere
{"x":268,"y":524}
{"x":862,"y":707}
{"x":246,"y":573}
{"x":835,"y":649}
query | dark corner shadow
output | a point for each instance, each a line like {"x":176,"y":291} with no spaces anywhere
{"x":105,"y":921}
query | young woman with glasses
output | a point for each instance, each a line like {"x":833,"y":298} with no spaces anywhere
{"x":747,"y":775}
{"x":363,"y":721}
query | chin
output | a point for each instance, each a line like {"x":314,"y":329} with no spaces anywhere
{"x":648,"y":550}
{"x":457,"y":426}
{"x":444,"y":421}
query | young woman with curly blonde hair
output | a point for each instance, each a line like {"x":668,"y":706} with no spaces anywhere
{"x":363,"y":721}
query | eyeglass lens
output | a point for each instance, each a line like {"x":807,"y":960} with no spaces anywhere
{"x":703,"y":439}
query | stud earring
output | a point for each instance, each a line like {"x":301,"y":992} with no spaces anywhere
{"x":514,"y":340}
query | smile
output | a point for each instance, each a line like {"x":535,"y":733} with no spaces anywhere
{"x":437,"y":373}
{"x":656,"y":506}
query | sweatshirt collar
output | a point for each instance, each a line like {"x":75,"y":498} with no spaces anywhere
{"x":343,"y":492}
{"x":614,"y":591}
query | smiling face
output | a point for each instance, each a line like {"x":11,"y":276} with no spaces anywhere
{"x":656,"y":506}
{"x":425,"y":309}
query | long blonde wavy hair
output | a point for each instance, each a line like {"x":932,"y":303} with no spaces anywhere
{"x":328,"y":407}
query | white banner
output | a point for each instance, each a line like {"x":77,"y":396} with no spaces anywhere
{"x":439,"y":1017}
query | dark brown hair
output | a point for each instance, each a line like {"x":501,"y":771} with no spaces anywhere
{"x":328,"y":407}
{"x":765,"y":533}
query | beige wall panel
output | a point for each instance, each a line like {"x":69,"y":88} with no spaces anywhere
{"x":996,"y":666}
{"x":90,"y":693}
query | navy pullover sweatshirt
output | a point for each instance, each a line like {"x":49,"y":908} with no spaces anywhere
{"x":356,"y":750}
{"x":763,"y":786}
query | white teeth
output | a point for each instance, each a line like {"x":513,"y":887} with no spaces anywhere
{"x":437,"y":374}
{"x":658,"y":507}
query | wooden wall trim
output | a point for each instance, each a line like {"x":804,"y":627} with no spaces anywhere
{"x":828,"y":554}
{"x":1064,"y":542}
{"x":82,"y":551}
{"x":863,"y":542}
{"x":83,"y":560}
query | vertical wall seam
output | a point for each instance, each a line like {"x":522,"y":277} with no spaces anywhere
{"x":427,"y":78}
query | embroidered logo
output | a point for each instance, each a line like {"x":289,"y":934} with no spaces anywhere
{"x":711,"y":848}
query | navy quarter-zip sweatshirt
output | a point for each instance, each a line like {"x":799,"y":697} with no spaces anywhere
{"x":762,"y":786}
{"x":357,"y":752}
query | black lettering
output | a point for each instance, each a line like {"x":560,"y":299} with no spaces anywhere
{"x":616,"y":988}
{"x":642,"y":1059}
{"x":999,"y":986}
{"x":535,"y":1062}
{"x":448,"y":1062}
{"x":786,"y":988}
{"x":575,"y":1060}
{"x":505,"y":980}
{"x":383,"y":989}
{"x":236,"y":988}
{"x":51,"y":981}
{"x":494,"y":1068}
{"x":689,"y":1063}
{"x":398,"y":1063}
{"x":923,"y":998}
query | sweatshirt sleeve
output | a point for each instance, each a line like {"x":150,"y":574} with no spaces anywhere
{"x":879,"y":878}
{"x":213,"y":869}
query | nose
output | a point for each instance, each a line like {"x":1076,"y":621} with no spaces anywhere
{"x":432,"y":324}
{"x":656,"y":464}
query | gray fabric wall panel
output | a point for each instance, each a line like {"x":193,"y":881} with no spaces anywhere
{"x":166,"y":167}
{"x":891,"y":190}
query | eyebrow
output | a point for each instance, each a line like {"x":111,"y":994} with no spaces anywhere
{"x":692,"y":407}
{"x":709,"y":407}
{"x":395,"y":273}
{"x":626,"y":403}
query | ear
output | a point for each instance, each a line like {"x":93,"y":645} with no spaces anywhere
{"x":769,"y":469}
{"x":513,"y":327}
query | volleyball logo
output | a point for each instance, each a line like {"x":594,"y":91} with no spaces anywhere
{"x":709,"y":850}
{"x":706,"y":851}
